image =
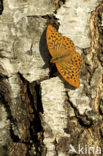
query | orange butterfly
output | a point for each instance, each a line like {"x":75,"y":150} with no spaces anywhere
{"x":67,"y":60}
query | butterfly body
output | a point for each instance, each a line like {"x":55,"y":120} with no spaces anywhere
{"x":67,"y":60}
{"x":61,"y":58}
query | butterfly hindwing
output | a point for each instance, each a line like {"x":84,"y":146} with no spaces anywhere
{"x":70,"y":73}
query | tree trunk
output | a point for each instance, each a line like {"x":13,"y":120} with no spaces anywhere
{"x":40,"y":114}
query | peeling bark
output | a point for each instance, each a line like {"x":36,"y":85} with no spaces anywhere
{"x":40,"y":114}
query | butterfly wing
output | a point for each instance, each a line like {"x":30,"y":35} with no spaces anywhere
{"x":68,"y":44}
{"x":57,"y":44}
{"x":70,"y":73}
{"x":63,"y":53}
{"x":76,"y":60}
{"x":54,"y":40}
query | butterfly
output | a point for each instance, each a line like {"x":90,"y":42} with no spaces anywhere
{"x":64,"y":55}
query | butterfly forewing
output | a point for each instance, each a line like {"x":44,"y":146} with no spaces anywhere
{"x":54,"y":40}
{"x":57,"y":44}
{"x":68,"y":44}
{"x":76,"y":60}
